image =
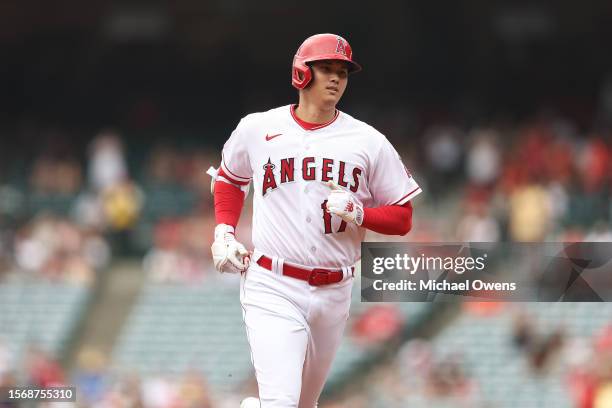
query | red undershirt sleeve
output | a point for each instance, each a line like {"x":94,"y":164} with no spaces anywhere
{"x":388,"y":219}
{"x":229,"y":200}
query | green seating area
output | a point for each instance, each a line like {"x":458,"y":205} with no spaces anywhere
{"x":39,"y":314}
{"x":176,"y":328}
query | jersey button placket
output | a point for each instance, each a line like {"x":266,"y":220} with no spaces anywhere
{"x":307,"y":186}
{"x":304,"y":191}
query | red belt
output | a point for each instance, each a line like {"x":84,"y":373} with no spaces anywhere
{"x":315,"y":277}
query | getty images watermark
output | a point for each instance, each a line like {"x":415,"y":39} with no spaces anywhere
{"x":486,"y":271}
{"x":412,"y":264}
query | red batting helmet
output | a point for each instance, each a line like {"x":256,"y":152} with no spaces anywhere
{"x":316,"y":48}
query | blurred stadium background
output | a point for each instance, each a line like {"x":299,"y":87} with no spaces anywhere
{"x":112,"y":111}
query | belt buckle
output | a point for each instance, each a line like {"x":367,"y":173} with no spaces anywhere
{"x":318,"y":277}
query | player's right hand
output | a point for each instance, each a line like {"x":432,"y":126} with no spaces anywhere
{"x":228,"y":254}
{"x":344,"y":204}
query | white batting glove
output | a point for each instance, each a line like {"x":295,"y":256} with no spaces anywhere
{"x":228,"y":254}
{"x":343,"y":204}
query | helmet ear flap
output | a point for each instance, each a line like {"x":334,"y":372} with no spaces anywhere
{"x":301,"y":76}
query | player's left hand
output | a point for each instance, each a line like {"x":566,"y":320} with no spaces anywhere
{"x":343,"y":204}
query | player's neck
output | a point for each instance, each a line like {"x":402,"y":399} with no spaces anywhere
{"x":312,"y":113}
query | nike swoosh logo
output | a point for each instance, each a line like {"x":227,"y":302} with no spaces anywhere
{"x":270,"y":137}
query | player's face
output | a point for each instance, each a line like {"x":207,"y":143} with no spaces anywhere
{"x":329,"y":81}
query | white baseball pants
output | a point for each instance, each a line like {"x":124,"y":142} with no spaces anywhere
{"x":294,"y":331}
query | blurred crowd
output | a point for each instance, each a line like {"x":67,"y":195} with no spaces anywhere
{"x":103,"y":387}
{"x":590,"y":374}
{"x":56,"y":249}
{"x":538,"y":180}
{"x":62,"y":220}
{"x":99,"y":386}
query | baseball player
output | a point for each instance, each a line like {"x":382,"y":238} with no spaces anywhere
{"x":320,"y":179}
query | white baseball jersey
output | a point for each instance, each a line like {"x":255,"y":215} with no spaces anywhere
{"x":289,"y":166}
